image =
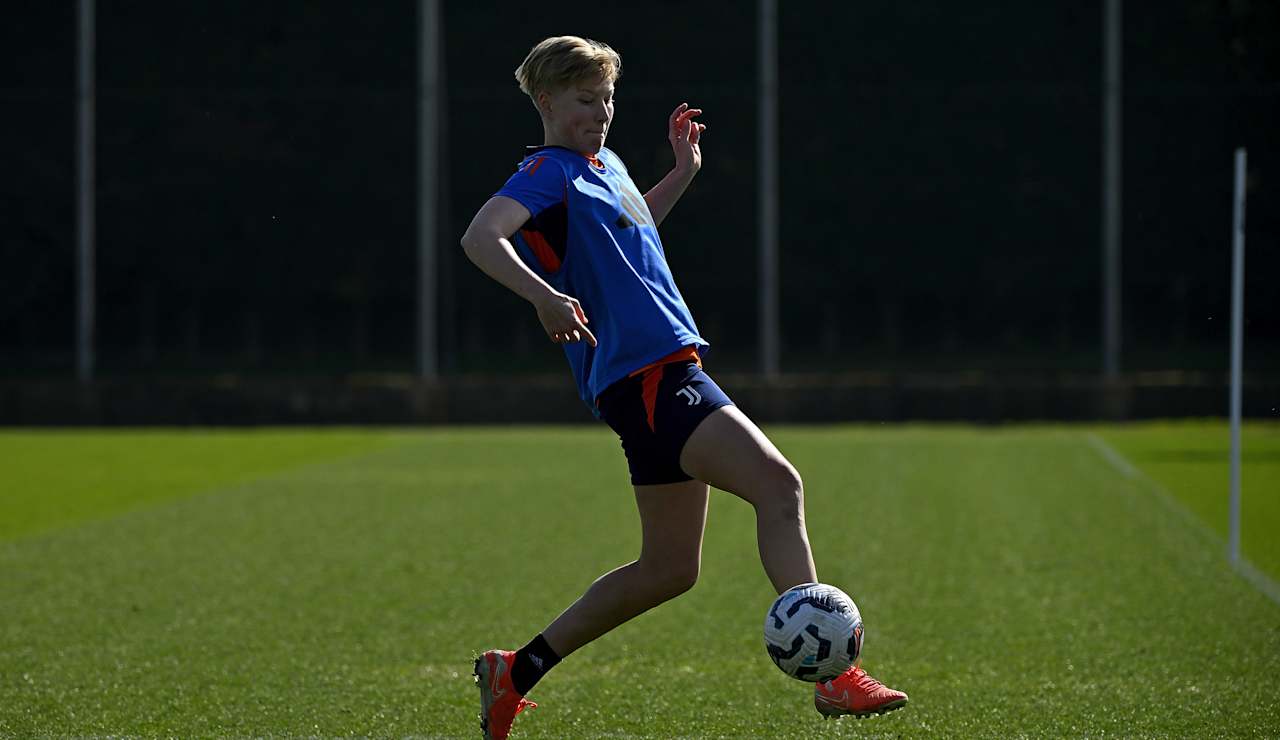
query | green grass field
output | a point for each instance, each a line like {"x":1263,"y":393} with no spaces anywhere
{"x":1016,"y":581}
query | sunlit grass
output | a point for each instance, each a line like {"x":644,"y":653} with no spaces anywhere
{"x":1013,"y":581}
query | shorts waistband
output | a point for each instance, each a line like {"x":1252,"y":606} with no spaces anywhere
{"x":684,"y":354}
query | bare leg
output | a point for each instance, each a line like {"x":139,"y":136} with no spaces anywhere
{"x":672,"y":518}
{"x":730,"y":452}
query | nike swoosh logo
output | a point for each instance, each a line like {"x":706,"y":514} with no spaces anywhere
{"x":495,"y":679}
{"x":842,"y":701}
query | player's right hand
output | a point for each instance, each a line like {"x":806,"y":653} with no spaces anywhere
{"x":563,"y":319}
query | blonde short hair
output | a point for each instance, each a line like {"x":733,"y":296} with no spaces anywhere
{"x":559,"y":61}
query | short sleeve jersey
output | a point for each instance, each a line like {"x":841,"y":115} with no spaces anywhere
{"x":590,"y":235}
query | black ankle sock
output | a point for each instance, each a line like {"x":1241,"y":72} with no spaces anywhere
{"x":532,"y":663}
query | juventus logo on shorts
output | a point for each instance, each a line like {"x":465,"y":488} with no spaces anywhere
{"x":688,"y":392}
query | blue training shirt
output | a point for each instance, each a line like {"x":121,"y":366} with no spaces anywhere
{"x":591,"y":236}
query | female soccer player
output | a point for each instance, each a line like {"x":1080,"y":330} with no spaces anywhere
{"x":570,"y":233}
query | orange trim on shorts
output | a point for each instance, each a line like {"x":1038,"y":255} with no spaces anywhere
{"x":683,"y":354}
{"x":653,"y":377}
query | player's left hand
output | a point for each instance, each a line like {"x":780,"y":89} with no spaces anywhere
{"x":684,"y":133}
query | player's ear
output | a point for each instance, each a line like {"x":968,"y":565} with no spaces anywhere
{"x":544,"y":103}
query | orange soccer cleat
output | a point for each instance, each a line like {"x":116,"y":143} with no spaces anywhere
{"x":856,"y":693}
{"x":499,"y":702}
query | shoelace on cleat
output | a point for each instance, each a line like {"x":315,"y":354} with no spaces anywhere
{"x":864,"y":681}
{"x":524,"y":704}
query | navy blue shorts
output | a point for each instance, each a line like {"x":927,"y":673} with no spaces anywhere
{"x":655,"y":412}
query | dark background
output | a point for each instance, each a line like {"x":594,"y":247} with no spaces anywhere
{"x":940,"y":182}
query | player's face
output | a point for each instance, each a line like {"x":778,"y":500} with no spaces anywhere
{"x":579,"y":116}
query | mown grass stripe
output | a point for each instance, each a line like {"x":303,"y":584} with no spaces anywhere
{"x":56,"y":478}
{"x":1151,"y":486}
{"x":1247,"y":570}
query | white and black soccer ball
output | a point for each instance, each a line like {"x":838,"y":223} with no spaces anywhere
{"x":813,"y":632}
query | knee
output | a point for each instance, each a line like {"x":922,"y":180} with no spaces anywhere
{"x":683,"y":577}
{"x":785,"y":499}
{"x":669,"y":580}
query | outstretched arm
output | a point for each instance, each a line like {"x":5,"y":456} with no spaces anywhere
{"x":488,"y":244}
{"x":684,"y":133}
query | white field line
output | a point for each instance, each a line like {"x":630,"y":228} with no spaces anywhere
{"x":1244,"y":568}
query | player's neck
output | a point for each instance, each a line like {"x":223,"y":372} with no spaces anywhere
{"x":550,"y":139}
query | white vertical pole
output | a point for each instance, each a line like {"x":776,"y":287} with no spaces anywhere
{"x":85,"y":218}
{"x":768,"y":158}
{"x":1111,"y":189}
{"x":1237,"y":347}
{"x":428,"y":109}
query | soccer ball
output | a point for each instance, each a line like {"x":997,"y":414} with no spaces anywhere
{"x":813,"y":632}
